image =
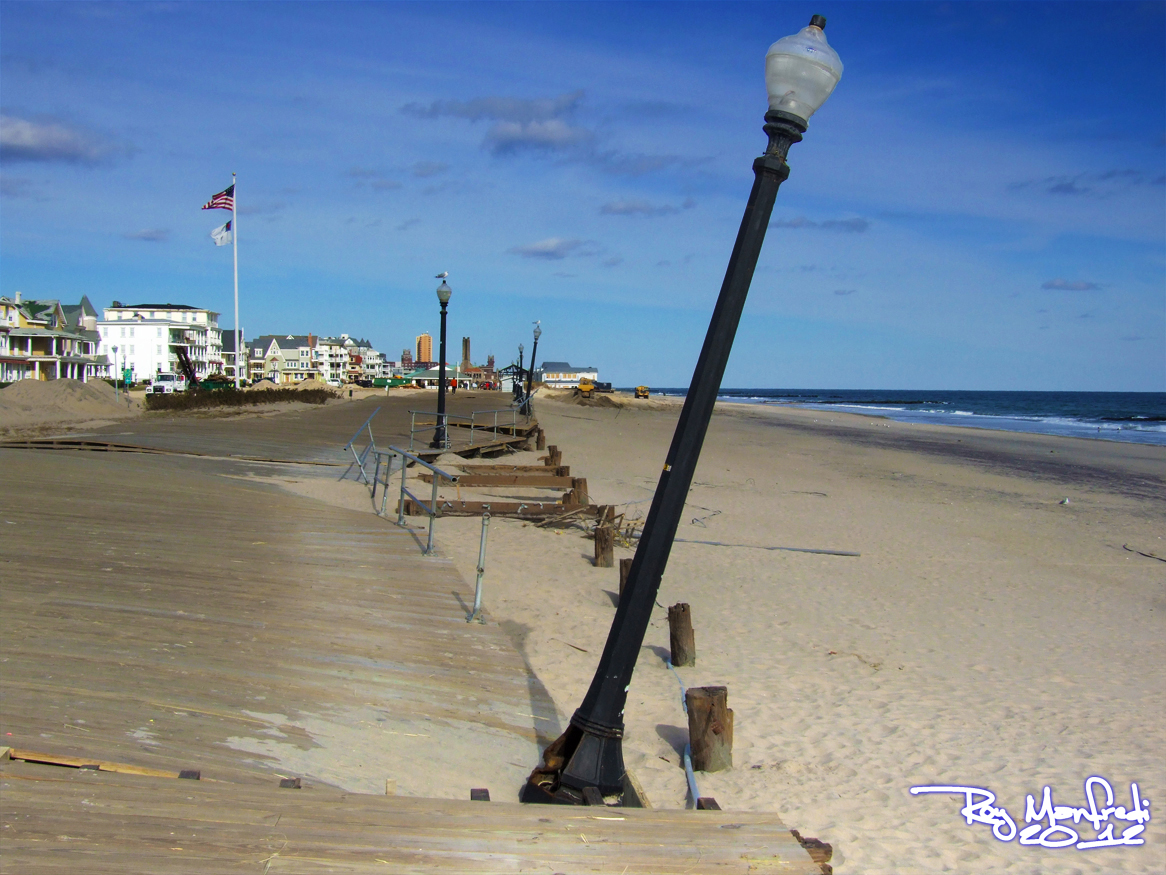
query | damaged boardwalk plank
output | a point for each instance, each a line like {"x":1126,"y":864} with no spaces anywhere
{"x":95,"y":822}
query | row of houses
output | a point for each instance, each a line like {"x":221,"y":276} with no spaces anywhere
{"x":49,"y":340}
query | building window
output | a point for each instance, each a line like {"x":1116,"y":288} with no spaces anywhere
{"x":131,"y":331}
{"x":131,"y":349}
{"x":123,"y":331}
{"x":159,"y":349}
{"x":159,"y":331}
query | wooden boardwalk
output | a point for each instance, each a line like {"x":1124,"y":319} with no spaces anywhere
{"x":176,"y":612}
{"x":57,"y":820}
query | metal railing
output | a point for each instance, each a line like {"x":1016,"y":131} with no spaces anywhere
{"x":479,"y":422}
{"x":363,"y":454}
{"x":430,"y":509}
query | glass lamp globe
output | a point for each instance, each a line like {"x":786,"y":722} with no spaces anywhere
{"x":443,"y":292}
{"x":538,"y":332}
{"x":801,"y":70}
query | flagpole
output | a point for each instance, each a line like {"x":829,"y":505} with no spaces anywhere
{"x":235,"y":247}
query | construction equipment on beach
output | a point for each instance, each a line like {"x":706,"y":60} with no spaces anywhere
{"x":641,"y":391}
{"x":585,"y":388}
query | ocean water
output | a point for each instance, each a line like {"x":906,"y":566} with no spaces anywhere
{"x":1135,"y":417}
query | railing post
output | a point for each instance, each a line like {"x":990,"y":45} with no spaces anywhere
{"x":401,"y":506}
{"x":432,"y":515}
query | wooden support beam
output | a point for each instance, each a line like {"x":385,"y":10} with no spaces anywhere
{"x":625,"y":568}
{"x":559,"y":471}
{"x":534,"y":510}
{"x":710,"y":728}
{"x":707,"y":803}
{"x":604,"y":544}
{"x":541,"y":481}
{"x":680,"y":636}
{"x":480,"y":794}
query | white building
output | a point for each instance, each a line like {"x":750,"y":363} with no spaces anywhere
{"x":560,"y":375}
{"x":148,"y":336}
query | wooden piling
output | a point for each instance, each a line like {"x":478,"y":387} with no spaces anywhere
{"x":604,"y":546}
{"x":625,"y":568}
{"x":541,"y":442}
{"x":710,"y":728}
{"x":579,"y":487}
{"x":680,"y":637}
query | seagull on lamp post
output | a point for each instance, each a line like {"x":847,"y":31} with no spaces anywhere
{"x":442,"y":275}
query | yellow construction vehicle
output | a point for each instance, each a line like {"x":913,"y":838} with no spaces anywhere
{"x":585,"y":388}
{"x":641,"y":391}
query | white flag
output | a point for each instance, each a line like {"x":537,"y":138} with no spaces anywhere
{"x":222,"y":235}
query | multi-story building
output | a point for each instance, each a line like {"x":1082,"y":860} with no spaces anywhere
{"x":148,"y":337}
{"x":333,"y":358}
{"x":37,"y":342}
{"x":424,"y":351}
{"x":466,"y":363}
{"x":560,"y":375}
{"x":289,"y":358}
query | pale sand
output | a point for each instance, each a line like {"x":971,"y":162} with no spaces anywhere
{"x":987,"y":636}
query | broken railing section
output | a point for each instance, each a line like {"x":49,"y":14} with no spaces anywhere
{"x":362,"y":456}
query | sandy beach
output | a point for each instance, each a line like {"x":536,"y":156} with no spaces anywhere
{"x":989,"y":635}
{"x":1001,"y":627}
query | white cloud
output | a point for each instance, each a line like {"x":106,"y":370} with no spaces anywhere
{"x":47,"y":140}
{"x":553,"y":248}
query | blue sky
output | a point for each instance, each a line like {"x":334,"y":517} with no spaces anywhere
{"x":980,"y":204}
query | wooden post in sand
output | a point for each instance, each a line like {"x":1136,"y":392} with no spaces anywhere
{"x":541,"y":441}
{"x":604,"y":545}
{"x":710,"y":728}
{"x":625,"y":568}
{"x":553,"y":458}
{"x":680,"y":637}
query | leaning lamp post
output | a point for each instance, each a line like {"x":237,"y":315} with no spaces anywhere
{"x":439,"y":441}
{"x":586,"y":761}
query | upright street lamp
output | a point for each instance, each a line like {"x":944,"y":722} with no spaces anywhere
{"x":518,"y":382}
{"x":538,"y":332}
{"x":116,"y":396}
{"x":800,"y":72}
{"x":440,"y":440}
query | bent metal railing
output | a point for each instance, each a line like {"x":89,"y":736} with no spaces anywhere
{"x":430,"y":509}
{"x":363,"y":454}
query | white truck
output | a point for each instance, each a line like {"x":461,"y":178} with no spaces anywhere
{"x":165,"y":384}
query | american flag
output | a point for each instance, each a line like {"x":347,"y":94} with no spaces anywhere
{"x":224,"y":200}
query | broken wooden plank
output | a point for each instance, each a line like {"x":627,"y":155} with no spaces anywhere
{"x":55,"y":759}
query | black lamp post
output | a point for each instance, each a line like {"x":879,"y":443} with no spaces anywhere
{"x":439,"y":441}
{"x":518,"y":382}
{"x":800,"y":72}
{"x":538,"y":332}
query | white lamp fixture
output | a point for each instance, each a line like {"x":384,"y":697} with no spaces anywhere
{"x":443,"y":292}
{"x":801,"y":70}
